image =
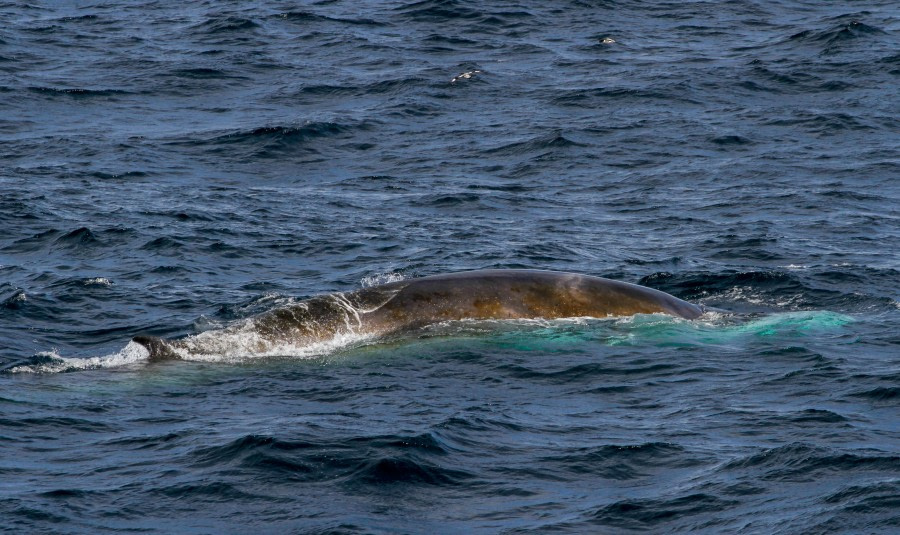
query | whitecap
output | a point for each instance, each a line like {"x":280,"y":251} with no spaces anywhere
{"x":53,"y":362}
{"x":381,"y":278}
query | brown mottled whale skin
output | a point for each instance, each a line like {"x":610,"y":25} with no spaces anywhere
{"x":411,"y":304}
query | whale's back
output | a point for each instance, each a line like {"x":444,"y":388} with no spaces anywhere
{"x":509,"y":294}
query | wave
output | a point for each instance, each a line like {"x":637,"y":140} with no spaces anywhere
{"x":78,"y":237}
{"x":164,"y":243}
{"x":622,"y":462}
{"x":732,"y":139}
{"x":286,"y":134}
{"x":823,"y":123}
{"x":793,"y":288}
{"x":271,"y":141}
{"x":213,"y":492}
{"x":80,"y":18}
{"x":834,"y":38}
{"x":643,"y":514}
{"x":304,"y":17}
{"x":56,"y":423}
{"x":379,"y":87}
{"x":598,"y":97}
{"x":554,"y":140}
{"x":52,"y":362}
{"x":11,"y":297}
{"x":448,"y":200}
{"x":78,"y":92}
{"x":203,"y":73}
{"x":796,"y":81}
{"x":369,"y":460}
{"x":802,"y":462}
{"x":889,"y":394}
{"x":224,"y":24}
{"x":455,"y":11}
{"x":438,"y":11}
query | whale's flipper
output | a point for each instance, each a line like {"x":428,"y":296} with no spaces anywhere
{"x":159,"y":349}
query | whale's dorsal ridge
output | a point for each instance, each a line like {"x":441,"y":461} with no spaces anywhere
{"x":368,"y":300}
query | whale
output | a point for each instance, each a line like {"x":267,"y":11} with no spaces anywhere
{"x":408,"y":305}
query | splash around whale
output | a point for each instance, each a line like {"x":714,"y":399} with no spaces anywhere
{"x":408,"y":305}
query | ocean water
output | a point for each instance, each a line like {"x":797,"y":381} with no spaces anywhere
{"x":171,"y":169}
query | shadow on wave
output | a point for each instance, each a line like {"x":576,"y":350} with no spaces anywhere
{"x":272,"y":141}
{"x":305,"y":17}
{"x":835,"y":38}
{"x":360,"y":461}
{"x":622,"y":462}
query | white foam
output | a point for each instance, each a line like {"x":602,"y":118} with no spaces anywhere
{"x":381,"y":278}
{"x":222,"y":346}
{"x":268,"y":300}
{"x":98,"y":281}
{"x":488,"y":326}
{"x":52,"y":362}
{"x":204,"y":323}
{"x":743,"y":294}
{"x":244,"y":344}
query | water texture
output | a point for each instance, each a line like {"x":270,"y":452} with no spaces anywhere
{"x":171,"y":169}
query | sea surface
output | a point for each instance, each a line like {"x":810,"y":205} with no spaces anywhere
{"x":171,"y":168}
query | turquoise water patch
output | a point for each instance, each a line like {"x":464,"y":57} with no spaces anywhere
{"x":642,"y":330}
{"x":662,"y":330}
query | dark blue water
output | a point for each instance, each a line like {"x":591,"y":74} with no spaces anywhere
{"x":172,"y":169}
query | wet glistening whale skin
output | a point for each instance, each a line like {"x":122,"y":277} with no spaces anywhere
{"x":407,"y":305}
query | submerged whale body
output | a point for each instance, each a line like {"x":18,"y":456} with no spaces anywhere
{"x":407,"y":305}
